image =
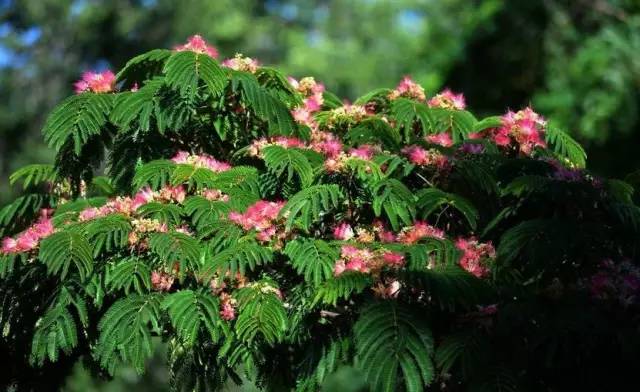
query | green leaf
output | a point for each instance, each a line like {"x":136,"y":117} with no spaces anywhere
{"x":408,"y":114}
{"x":154,"y":174}
{"x":293,"y":161}
{"x":77,"y":118}
{"x":64,"y":249}
{"x":260,"y":313}
{"x":185,"y":69}
{"x":143,"y":67}
{"x":314,"y":259}
{"x":108,"y":233}
{"x":374,"y":130}
{"x":396,"y":201}
{"x":168,"y":213}
{"x":309,"y":205}
{"x":244,"y":255}
{"x":393,"y":344}
{"x":129,"y":273}
{"x":33,"y":175}
{"x":125,"y":334}
{"x":266,"y":106}
{"x":176,"y":247}
{"x":341,"y":287}
{"x":192,"y":312}
{"x":431,"y":199}
{"x":565,"y":146}
{"x":137,"y":107}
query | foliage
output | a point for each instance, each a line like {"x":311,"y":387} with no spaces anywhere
{"x":265,"y":231}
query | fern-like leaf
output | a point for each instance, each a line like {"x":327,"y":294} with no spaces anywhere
{"x":64,"y":249}
{"x":192,"y":311}
{"x":431,"y":199}
{"x":314,"y":259}
{"x":396,"y":201}
{"x":184,"y":70}
{"x":125,"y":333}
{"x":391,"y":342}
{"x":309,"y":205}
{"x":260,"y":312}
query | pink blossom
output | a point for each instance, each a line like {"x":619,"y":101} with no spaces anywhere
{"x":393,"y":259}
{"x":441,"y":139}
{"x":526,"y":128}
{"x":265,"y":235}
{"x":357,"y":264}
{"x":339,"y":267}
{"x":161,"y":281}
{"x":448,"y":100}
{"x":96,"y":82}
{"x":9,"y":245}
{"x":144,"y":196}
{"x":88,"y":214}
{"x":418,"y":231}
{"x":241,"y":63}
{"x":343,"y":232}
{"x":260,"y":216}
{"x":364,"y":152}
{"x":314,"y":103}
{"x":26,"y":241}
{"x":409,"y":89}
{"x":181,"y":157}
{"x":197,"y":44}
{"x":475,"y":256}
{"x":227,"y":311}
{"x":421,"y":157}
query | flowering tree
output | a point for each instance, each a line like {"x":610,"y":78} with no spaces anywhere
{"x":259,"y":225}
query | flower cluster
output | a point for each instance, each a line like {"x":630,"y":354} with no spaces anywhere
{"x":364,"y":260}
{"x":96,"y":82}
{"x":526,"y":128}
{"x":312,"y":93}
{"x":407,"y":88}
{"x":441,"y":139}
{"x":202,"y":160}
{"x":448,"y":100}
{"x":241,"y":63}
{"x":419,"y":230}
{"x":198,"y":45}
{"x":422,"y":157}
{"x":255,"y":149}
{"x":30,"y":238}
{"x":161,"y":281}
{"x":262,"y":216}
{"x":617,"y":281}
{"x":347,"y":114}
{"x":476,"y":256}
{"x":339,"y":162}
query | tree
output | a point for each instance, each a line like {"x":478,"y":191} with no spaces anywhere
{"x":263,"y":228}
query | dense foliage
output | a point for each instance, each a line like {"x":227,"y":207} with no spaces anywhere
{"x":262,"y":227}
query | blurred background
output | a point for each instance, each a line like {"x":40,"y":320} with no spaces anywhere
{"x":576,"y":61}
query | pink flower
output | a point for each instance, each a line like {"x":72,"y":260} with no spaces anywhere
{"x":348,"y":251}
{"x":418,"y":231}
{"x":441,"y":139}
{"x":96,"y":82}
{"x":393,"y":259}
{"x":181,"y":157}
{"x":343,"y":232}
{"x":88,"y":214}
{"x":357,"y":264}
{"x":448,"y":100}
{"x":260,"y":216}
{"x":364,"y":152}
{"x":197,"y":44}
{"x":26,"y":241}
{"x":421,"y":157}
{"x":314,"y":103}
{"x":265,"y":235}
{"x":161,"y":281}
{"x":524,"y":127}
{"x":43,"y":228}
{"x":475,"y":256}
{"x":409,"y":89}
{"x":144,"y":196}
{"x":9,"y":245}
{"x":227,"y":311}
{"x":241,"y":63}
{"x":339,"y":267}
